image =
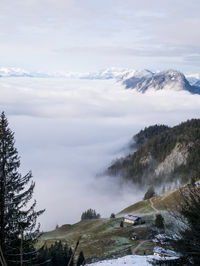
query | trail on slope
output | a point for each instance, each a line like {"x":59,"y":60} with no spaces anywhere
{"x":138,"y":246}
{"x":152,"y":205}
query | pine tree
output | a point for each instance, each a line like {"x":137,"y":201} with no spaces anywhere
{"x":121,"y":224}
{"x":18,"y":231}
{"x":150,"y":193}
{"x":112,"y":216}
{"x":81,"y":259}
{"x":90,"y":214}
{"x":159,"y":221}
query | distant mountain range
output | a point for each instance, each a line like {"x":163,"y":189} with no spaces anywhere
{"x":110,"y":73}
{"x":141,"y":81}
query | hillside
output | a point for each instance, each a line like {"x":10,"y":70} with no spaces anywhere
{"x":100,"y":239}
{"x":158,"y":203}
{"x":104,"y":238}
{"x":164,"y":156}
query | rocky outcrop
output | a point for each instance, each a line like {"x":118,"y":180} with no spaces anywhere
{"x":177,"y":157}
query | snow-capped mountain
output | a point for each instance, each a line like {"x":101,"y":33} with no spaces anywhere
{"x":19,"y":72}
{"x":14,"y":72}
{"x":140,"y":80}
{"x":144,"y":81}
{"x":193,"y":78}
{"x":197,"y":83}
{"x":110,"y":73}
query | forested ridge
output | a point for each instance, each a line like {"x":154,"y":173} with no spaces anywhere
{"x":153,"y":145}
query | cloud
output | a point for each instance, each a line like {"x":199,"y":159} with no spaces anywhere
{"x":68,"y":131}
{"x":97,"y":34}
{"x":147,"y":50}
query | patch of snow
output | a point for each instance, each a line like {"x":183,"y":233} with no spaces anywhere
{"x":165,"y":252}
{"x":129,"y":261}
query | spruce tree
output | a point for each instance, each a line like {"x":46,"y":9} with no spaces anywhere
{"x":81,"y":259}
{"x":112,"y":216}
{"x":90,"y":214}
{"x":159,"y":221}
{"x":150,"y":193}
{"x":18,"y":218}
{"x":121,"y":224}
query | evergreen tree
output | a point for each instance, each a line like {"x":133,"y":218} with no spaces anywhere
{"x":90,"y":214}
{"x":193,"y":180}
{"x":57,"y":255}
{"x":112,"y":216}
{"x":121,"y":224}
{"x":159,"y":221}
{"x":18,"y":222}
{"x":150,"y":193}
{"x":81,"y":259}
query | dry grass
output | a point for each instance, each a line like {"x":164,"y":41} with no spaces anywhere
{"x":141,"y":207}
{"x":99,"y":238}
{"x":104,"y":238}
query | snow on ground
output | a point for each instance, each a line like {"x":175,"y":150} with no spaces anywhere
{"x":128,"y":261}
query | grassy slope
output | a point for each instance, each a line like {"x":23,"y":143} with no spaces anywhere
{"x":139,"y":208}
{"x":161,"y":203}
{"x":99,"y":238}
{"x":104,"y":238}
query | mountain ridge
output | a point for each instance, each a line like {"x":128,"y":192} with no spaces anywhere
{"x":164,"y":156}
{"x":120,"y":74}
{"x":164,"y":80}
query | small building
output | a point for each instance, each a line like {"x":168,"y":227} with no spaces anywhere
{"x":134,"y":220}
{"x":162,"y":252}
{"x":133,"y":236}
{"x":197,"y":183}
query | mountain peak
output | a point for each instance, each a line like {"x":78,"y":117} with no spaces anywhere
{"x":164,"y":80}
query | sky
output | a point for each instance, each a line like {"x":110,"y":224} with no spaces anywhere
{"x":89,"y":35}
{"x":69,"y":131}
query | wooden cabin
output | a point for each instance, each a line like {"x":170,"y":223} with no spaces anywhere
{"x":134,"y":220}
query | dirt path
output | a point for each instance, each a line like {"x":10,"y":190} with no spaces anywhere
{"x":138,"y":246}
{"x":152,"y":205}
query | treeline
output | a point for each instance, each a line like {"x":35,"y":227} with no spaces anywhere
{"x":149,"y":132}
{"x":90,"y":214}
{"x":58,"y":255}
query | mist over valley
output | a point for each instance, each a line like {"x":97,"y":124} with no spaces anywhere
{"x":69,"y":131}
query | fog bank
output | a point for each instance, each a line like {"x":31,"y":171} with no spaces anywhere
{"x":69,"y":131}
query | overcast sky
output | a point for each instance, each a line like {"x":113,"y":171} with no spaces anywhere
{"x":88,"y":35}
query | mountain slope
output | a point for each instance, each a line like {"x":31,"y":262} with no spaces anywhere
{"x":105,"y":238}
{"x":165,"y":80}
{"x":100,"y":239}
{"x":166,"y":156}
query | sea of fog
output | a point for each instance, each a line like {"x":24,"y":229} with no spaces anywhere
{"x":69,"y":131}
